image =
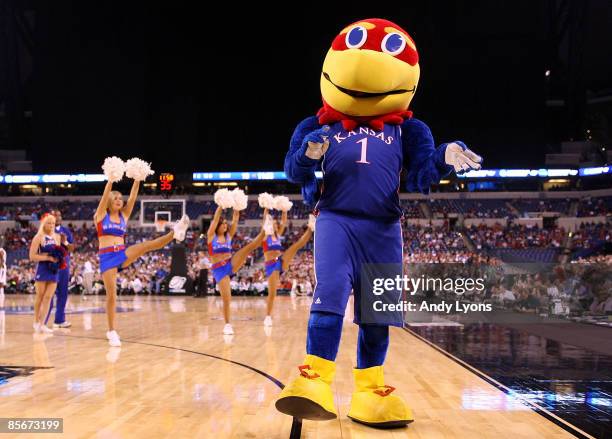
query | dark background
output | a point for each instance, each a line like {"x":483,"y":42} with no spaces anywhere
{"x":221,"y":88}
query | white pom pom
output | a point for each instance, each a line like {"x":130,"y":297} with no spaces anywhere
{"x":240,"y":199}
{"x":266,"y":201}
{"x":138,"y":169}
{"x":282,"y":203}
{"x":224,"y":198}
{"x":113,"y":168}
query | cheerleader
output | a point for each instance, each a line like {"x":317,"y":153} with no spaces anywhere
{"x":220,"y":235}
{"x":111,"y":219}
{"x":277,"y":261}
{"x":46,"y":250}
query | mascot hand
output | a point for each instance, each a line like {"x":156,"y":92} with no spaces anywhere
{"x":317,"y":143}
{"x":460,"y":158}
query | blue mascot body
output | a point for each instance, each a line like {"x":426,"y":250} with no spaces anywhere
{"x":361,"y":139}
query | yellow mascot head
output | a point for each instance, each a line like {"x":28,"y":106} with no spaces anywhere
{"x":371,"y":69}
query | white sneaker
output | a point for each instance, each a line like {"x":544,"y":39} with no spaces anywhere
{"x":180,"y":228}
{"x":62,"y":325}
{"x":113,"y":338}
{"x":268,"y":321}
{"x":45,"y":330}
{"x":36,"y":327}
{"x":312,"y":220}
{"x":228,"y":330}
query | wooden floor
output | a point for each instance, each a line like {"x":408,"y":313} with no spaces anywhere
{"x":167,"y":382}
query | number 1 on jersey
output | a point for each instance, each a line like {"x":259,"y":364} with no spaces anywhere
{"x":364,"y":151}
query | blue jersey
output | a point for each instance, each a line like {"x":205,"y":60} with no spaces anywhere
{"x":45,"y":271}
{"x":109,"y":227}
{"x":216,"y":247}
{"x":66,"y":231}
{"x":361,"y":171}
{"x":272,"y":244}
{"x":361,"y":168}
{"x":47,"y":243}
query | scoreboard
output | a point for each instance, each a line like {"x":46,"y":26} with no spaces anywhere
{"x":166,"y":183}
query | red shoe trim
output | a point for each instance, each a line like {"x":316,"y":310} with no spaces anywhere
{"x":387,"y":391}
{"x":303,"y":372}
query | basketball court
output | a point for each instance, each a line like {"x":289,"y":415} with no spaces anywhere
{"x":177,"y":376}
{"x":188,"y":200}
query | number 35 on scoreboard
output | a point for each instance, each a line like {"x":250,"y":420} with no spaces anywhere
{"x":166,"y":182}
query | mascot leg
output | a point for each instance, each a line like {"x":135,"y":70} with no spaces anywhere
{"x":309,"y":396}
{"x":372,"y":402}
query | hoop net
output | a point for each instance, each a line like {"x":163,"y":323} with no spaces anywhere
{"x":160,"y":225}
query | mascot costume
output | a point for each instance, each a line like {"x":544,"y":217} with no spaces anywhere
{"x":361,"y":139}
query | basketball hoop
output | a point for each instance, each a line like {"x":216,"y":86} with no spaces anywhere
{"x":154,"y":210}
{"x":160,"y":225}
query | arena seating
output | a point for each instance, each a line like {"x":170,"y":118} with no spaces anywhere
{"x":590,"y":235}
{"x":72,"y":210}
{"x":526,"y":205}
{"x":194,"y":210}
{"x":482,"y":208}
{"x":431,"y":239}
{"x":514,"y":236}
{"x":472,"y":208}
{"x":432,"y":243}
{"x":595,"y":206}
{"x":511,"y":255}
{"x":468,"y":207}
{"x":411,"y":209}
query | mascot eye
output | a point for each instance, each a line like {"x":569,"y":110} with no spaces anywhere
{"x":356,"y":37}
{"x":393,"y":44}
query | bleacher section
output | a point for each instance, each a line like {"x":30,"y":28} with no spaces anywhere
{"x":418,"y":239}
{"x":71,"y":210}
{"x":515,"y":236}
{"x":596,"y":206}
{"x":534,"y":205}
{"x":510,"y":255}
{"x":481,"y":208}
{"x":412,"y":208}
{"x":589,"y":235}
{"x":469,"y":205}
{"x":495,"y":224}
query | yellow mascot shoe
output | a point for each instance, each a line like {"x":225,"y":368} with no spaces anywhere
{"x":373,"y":404}
{"x":309,"y":396}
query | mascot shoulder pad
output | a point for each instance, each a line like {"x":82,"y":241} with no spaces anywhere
{"x":415,"y":127}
